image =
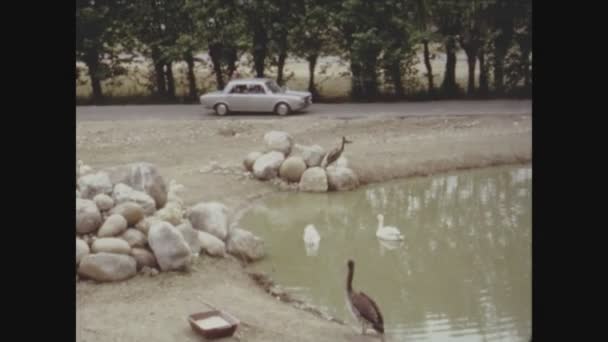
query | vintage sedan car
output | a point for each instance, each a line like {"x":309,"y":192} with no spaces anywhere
{"x":256,"y":95}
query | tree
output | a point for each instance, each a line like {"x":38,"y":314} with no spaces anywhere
{"x":447,"y":15}
{"x":100,"y":30}
{"x":471,"y":36}
{"x":311,"y":37}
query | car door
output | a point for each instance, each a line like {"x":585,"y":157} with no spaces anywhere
{"x":237,"y":97}
{"x":260,"y":99}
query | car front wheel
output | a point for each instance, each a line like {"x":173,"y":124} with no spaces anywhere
{"x":221,"y":109}
{"x":282,"y":109}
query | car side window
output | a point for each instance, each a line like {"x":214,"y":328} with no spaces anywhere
{"x":239,"y":89}
{"x":256,"y":89}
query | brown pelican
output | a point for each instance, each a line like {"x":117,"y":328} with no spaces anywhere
{"x":363,"y":308}
{"x":334,"y":154}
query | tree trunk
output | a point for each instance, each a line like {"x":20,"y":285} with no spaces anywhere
{"x":192,"y":93}
{"x":260,"y":42}
{"x":215,"y":52}
{"x":356,"y":80}
{"x":525,"y":62}
{"x":449,"y":86}
{"x":312,"y":63}
{"x":280,"y":66}
{"x":92,"y":62}
{"x":170,"y":81}
{"x":500,"y":51}
{"x":429,"y":69}
{"x":370,"y":75}
{"x":231,"y":58}
{"x":159,"y":73}
{"x":471,"y":61}
{"x":394,"y":70}
{"x":484,"y":87}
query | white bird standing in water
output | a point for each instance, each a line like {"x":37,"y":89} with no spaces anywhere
{"x":311,"y":240}
{"x":387,"y":233}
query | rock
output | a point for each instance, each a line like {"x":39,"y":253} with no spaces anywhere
{"x":141,"y":176}
{"x":245,"y":245}
{"x":144,"y":258}
{"x":123,"y":193}
{"x":292,"y":169}
{"x":107,"y":267}
{"x":131,"y":211}
{"x":174,"y":193}
{"x":83,"y":169}
{"x":211,"y":217}
{"x":134,"y":238}
{"x":341,"y":162}
{"x":267,"y":165}
{"x":169,"y":247}
{"x":111,"y":245}
{"x":82,"y":249}
{"x":341,"y":179}
{"x":103,"y":202}
{"x":278,"y":141}
{"x":250,"y":160}
{"x":312,"y":155}
{"x":172,"y":213}
{"x":78,"y":194}
{"x":314,"y":180}
{"x":190,"y":235}
{"x":87,"y":238}
{"x":88,"y":217}
{"x":149,"y":271}
{"x":145,"y":224}
{"x":211,"y":244}
{"x":114,"y":225}
{"x":94,"y":184}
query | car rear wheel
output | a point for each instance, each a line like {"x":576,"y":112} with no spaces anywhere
{"x":282,"y":109}
{"x":221,"y":109}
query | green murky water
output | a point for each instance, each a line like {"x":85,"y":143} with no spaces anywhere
{"x":463,"y":272}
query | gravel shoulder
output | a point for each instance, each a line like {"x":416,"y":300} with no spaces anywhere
{"x":206,"y":157}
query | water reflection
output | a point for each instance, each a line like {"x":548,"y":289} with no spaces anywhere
{"x":463,"y":272}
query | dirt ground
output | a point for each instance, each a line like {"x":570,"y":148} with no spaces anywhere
{"x":206,"y":157}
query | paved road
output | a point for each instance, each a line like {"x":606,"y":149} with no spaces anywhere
{"x":345,"y":110}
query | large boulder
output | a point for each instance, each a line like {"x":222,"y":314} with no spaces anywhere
{"x":123,"y":193}
{"x":211,"y":244}
{"x":135,"y":238}
{"x":88,"y":217}
{"x":170,"y":249}
{"x":190,"y":235}
{"x":143,"y":257}
{"x":131,"y":211}
{"x":267,"y":165}
{"x":245,"y":245}
{"x":172,"y":213}
{"x":111,"y":245}
{"x":278,"y":141}
{"x":82,"y":249}
{"x":141,"y":176}
{"x":103,"y":202}
{"x":292,"y":169}
{"x":114,"y":225}
{"x":312,"y":155}
{"x":250,"y":160}
{"x":94,"y":184}
{"x":314,"y":180}
{"x":341,"y":179}
{"x":107,"y":267}
{"x":211,"y":217}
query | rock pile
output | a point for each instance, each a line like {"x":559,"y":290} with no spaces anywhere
{"x":299,"y":167}
{"x":129,"y":220}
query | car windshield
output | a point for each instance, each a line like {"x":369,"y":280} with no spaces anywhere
{"x":274,"y":87}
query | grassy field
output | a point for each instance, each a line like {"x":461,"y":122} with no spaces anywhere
{"x":331,"y":76}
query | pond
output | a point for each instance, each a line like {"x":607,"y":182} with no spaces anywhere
{"x":462,"y":272}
